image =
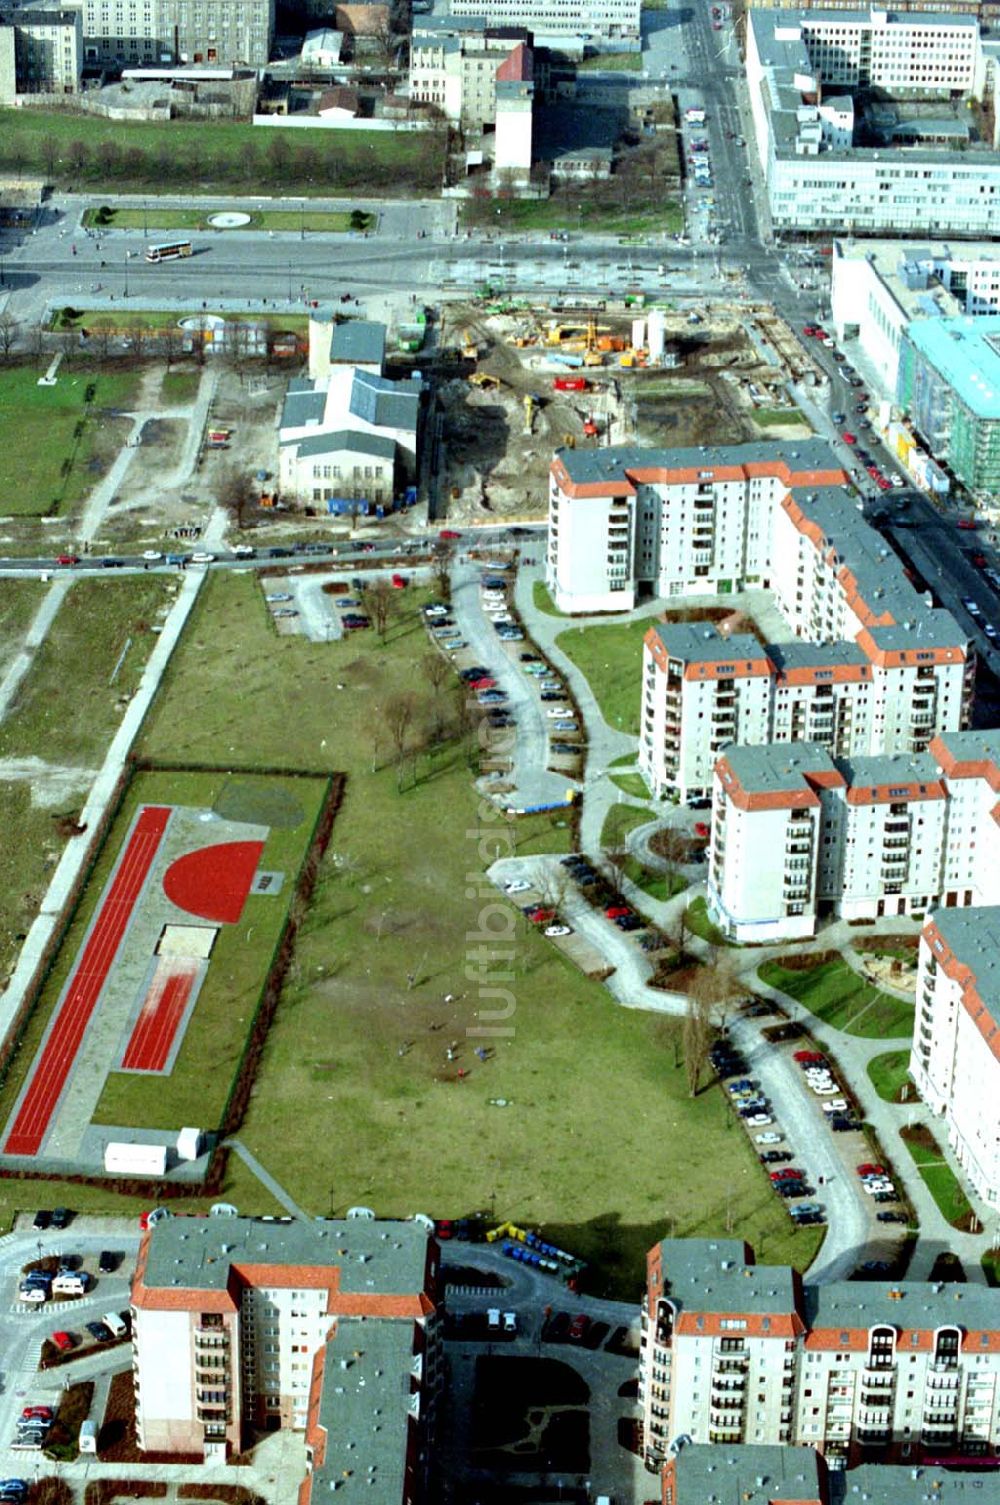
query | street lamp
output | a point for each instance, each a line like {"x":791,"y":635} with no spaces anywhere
{"x":302,"y":219}
{"x":145,"y":218}
{"x":126,"y":274}
{"x":289,"y":282}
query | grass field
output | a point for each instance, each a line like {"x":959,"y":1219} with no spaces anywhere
{"x":940,"y":1179}
{"x":19,"y":601}
{"x":619,"y":821}
{"x":66,"y":709}
{"x":632,"y":784}
{"x":355,"y":1101}
{"x":699,"y":922}
{"x":75,"y":149}
{"x":542,"y":598}
{"x":890,"y":1076}
{"x":837,"y":995}
{"x":38,"y":435}
{"x":610,"y":658}
{"x":576,"y":211}
{"x":178,"y":388}
{"x":611,"y":62}
{"x":158,"y":218}
{"x":778,"y":417}
{"x":29,"y":849}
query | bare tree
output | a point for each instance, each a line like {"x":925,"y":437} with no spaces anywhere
{"x":673,"y":846}
{"x":616,"y":861}
{"x":375,"y":732}
{"x":237,"y":493}
{"x":8,"y":335}
{"x":697,"y":1041}
{"x":436,"y":670}
{"x":170,"y":343}
{"x":444,"y":557}
{"x":716,"y":987}
{"x":379,"y":602}
{"x":398,"y":716}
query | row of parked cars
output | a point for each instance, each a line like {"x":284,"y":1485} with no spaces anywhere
{"x":821,"y":1081}
{"x":586,"y":876}
{"x":787,"y":1181}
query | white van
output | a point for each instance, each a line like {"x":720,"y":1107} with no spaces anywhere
{"x":114,"y":1322}
{"x":71,"y":1283}
{"x":88,"y":1437}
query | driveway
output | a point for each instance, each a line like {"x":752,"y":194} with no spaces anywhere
{"x":534,"y":783}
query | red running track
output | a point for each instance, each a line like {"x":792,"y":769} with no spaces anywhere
{"x":163,"y":1008}
{"x":94,"y":964}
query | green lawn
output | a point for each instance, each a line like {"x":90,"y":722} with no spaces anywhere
{"x":573,"y":211}
{"x":57,"y":443}
{"x":619,"y":821}
{"x":699,"y":922}
{"x":66,"y":709}
{"x":889,"y":1075}
{"x":660,"y":886}
{"x":157,"y":218}
{"x":542,"y":598}
{"x":156,"y":318}
{"x":632,"y":784}
{"x":610,"y":658}
{"x":179,"y":388}
{"x":355,"y":1100}
{"x":941,"y":1181}
{"x":19,"y":601}
{"x":77,"y":150}
{"x":778,"y":417}
{"x":611,"y":62}
{"x":842,"y":999}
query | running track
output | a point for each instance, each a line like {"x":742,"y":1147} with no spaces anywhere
{"x":149,"y":1045}
{"x":53,"y":1066}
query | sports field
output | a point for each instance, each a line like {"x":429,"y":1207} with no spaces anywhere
{"x":168,"y":1050}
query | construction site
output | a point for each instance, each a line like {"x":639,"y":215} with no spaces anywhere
{"x":517,"y":381}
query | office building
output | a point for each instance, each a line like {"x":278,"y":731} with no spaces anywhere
{"x":925,"y":174}
{"x":246,"y":1325}
{"x":610,"y":21}
{"x":133,"y":33}
{"x":949,"y":387}
{"x":798,"y":835}
{"x":737,"y":1353}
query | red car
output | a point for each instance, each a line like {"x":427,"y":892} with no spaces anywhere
{"x":809,"y":1057}
{"x":871,"y":1170}
{"x":484,"y":684}
{"x":447,"y":534}
{"x":63,"y":1341}
{"x":787,"y":1174}
{"x":809,"y":329}
{"x":67,"y":559}
{"x":700,"y":828}
{"x":849,"y":438}
{"x":578,"y":1328}
{"x":963,"y":522}
{"x":399,"y":582}
{"x":38,"y":1413}
{"x":617,"y":911}
{"x":541,"y":916}
{"x":820,"y":334}
{"x":444,"y":1228}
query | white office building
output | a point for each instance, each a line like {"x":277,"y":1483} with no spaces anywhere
{"x":799,"y":836}
{"x":930,"y":175}
{"x":610,"y":20}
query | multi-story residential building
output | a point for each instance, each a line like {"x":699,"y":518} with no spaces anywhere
{"x":130,"y":33}
{"x":628,"y":521}
{"x":955,"y":1058}
{"x":798,"y":835}
{"x":762,"y":1474}
{"x":732,"y":1352}
{"x":41,"y":50}
{"x":455,"y":63}
{"x":249,"y":1324}
{"x":949,"y":386}
{"x":928,"y":177}
{"x":611,"y":20}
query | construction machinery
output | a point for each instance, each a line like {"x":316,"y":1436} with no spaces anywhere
{"x":470,"y":350}
{"x":485,"y":382}
{"x":530,"y":403}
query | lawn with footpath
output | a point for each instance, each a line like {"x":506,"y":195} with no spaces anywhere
{"x":610,"y":659}
{"x":825,"y":985}
{"x":57,"y":442}
{"x":579,"y":1118}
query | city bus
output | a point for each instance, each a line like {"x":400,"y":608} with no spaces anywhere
{"x":168,"y":248}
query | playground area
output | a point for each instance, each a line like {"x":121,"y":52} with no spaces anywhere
{"x":146,"y":995}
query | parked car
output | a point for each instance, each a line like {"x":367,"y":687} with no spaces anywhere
{"x":61,"y":1217}
{"x":774,"y":1157}
{"x":578,"y":1327}
{"x":63,"y":1341}
{"x":891,"y":1217}
{"x":42,"y":1219}
{"x":100,"y":1332}
{"x":768,"y":1137}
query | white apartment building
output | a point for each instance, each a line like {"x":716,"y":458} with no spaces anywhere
{"x":455,"y":64}
{"x":234,"y":1319}
{"x":628,"y":520}
{"x":798,"y":835}
{"x":955,"y":1059}
{"x":41,"y":51}
{"x":611,"y":20}
{"x":817,"y":182}
{"x":134,"y":33}
{"x":732,"y":1353}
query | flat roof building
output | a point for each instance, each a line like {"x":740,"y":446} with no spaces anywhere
{"x":949,"y":386}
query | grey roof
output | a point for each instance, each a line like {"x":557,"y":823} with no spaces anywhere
{"x":906,"y":1304}
{"x":702,"y":643}
{"x":750,"y":1474}
{"x":778,"y":767}
{"x":893,"y":1484}
{"x":365,"y":1411}
{"x":353,"y":441}
{"x":799,"y":654}
{"x":303,"y":404}
{"x":587,"y":465}
{"x":358,"y":342}
{"x":974,"y":936}
{"x":387,"y":404}
{"x":980,"y":745}
{"x":372,"y":1256}
{"x":877,"y":769}
{"x":717,"y":1276}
